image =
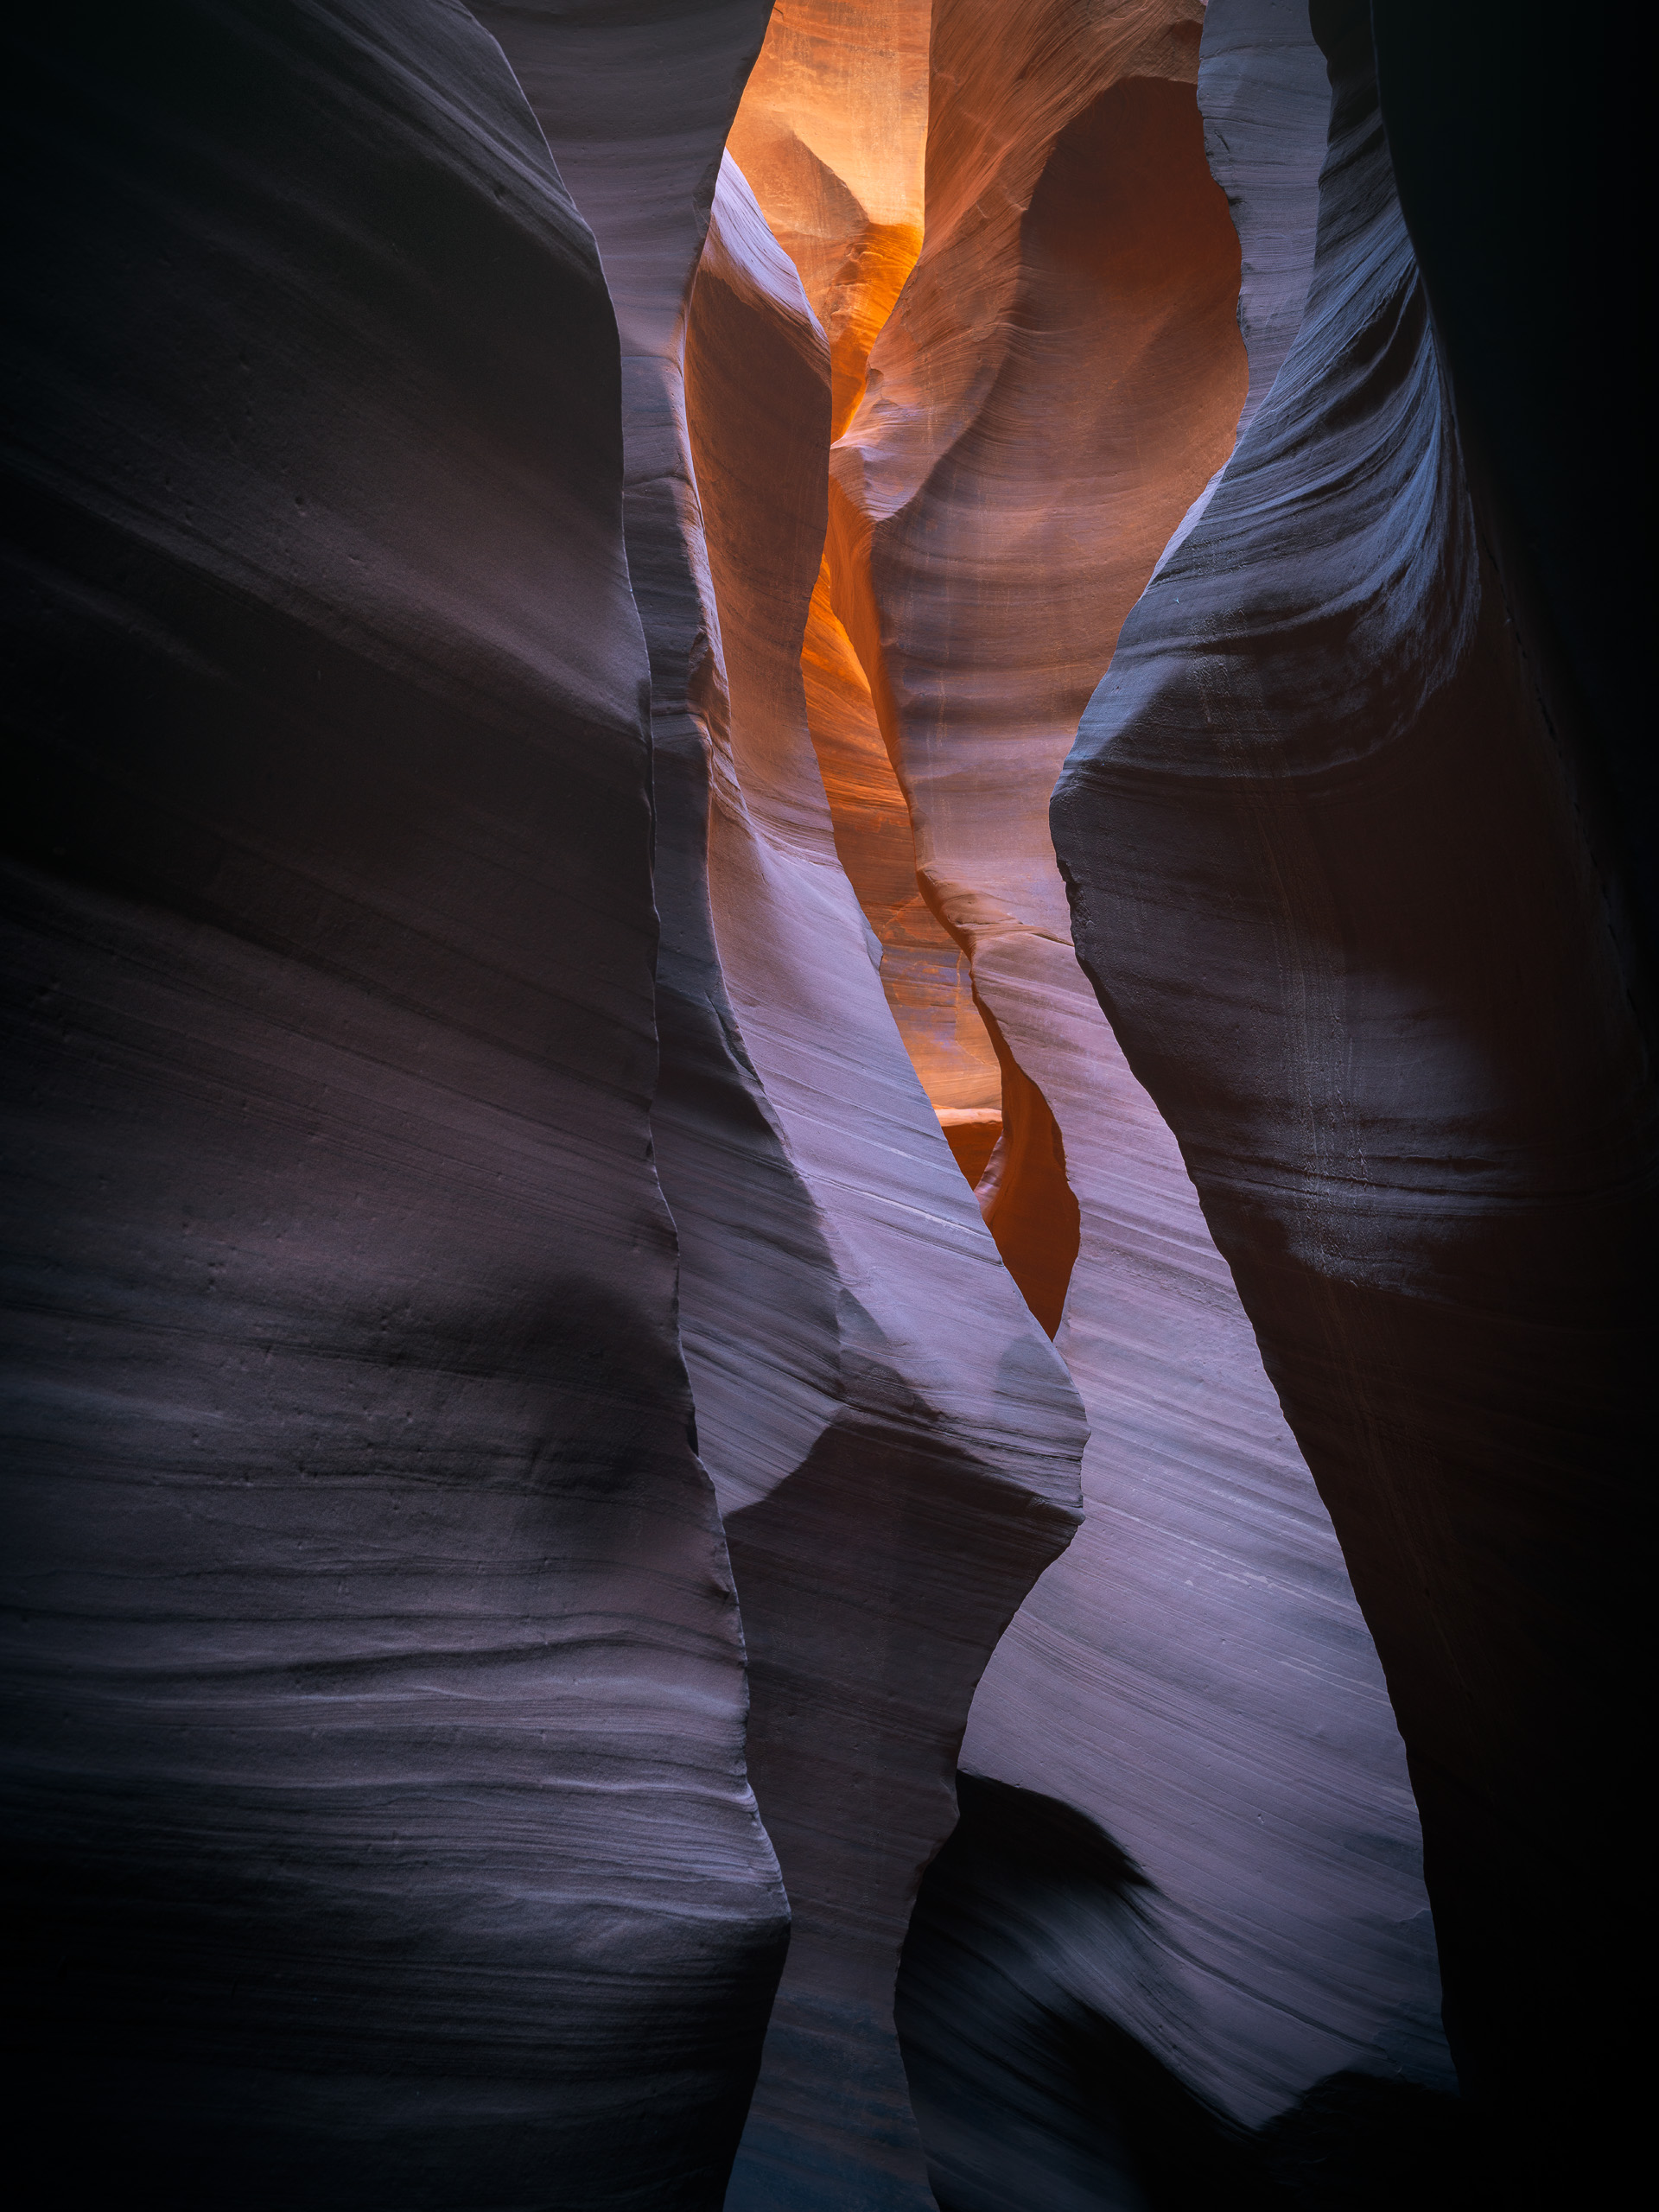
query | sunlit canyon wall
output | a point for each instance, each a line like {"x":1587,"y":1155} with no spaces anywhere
{"x":827,"y":1123}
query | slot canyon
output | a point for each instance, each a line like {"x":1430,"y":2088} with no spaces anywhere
{"x":829,"y":1108}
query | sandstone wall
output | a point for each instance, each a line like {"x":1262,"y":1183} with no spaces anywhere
{"x":378,"y":1801}
{"x":1338,"y":879}
{"x":739,"y":1453}
{"x":1049,"y":399}
{"x":893,"y":1445}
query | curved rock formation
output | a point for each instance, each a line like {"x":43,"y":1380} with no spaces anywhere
{"x":1325,"y":828}
{"x":881,"y":1551}
{"x":544,"y":655}
{"x":1051,"y":2101}
{"x":892,"y":1444}
{"x":979,"y":609}
{"x":378,"y":1804}
{"x":942,"y":508}
{"x":830,"y":134}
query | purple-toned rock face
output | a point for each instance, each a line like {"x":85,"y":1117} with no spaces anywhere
{"x":1192,"y":1684}
{"x":746,"y":1470}
{"x":1326,"y":839}
{"x":893,"y":1445}
{"x":377,"y":1758}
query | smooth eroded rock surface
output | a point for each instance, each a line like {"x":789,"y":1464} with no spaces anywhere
{"x":1046,"y":403}
{"x":558,"y":554}
{"x":377,"y":1810}
{"x":1325,"y":831}
{"x":893,"y":1445}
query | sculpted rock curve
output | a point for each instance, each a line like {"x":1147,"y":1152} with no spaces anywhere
{"x":893,"y":1444}
{"x":1286,"y":1932}
{"x":378,"y":1798}
{"x":1324,"y":828}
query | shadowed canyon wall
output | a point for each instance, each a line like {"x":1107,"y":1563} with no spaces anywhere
{"x":1515,"y":149}
{"x":378,"y":1824}
{"x":893,"y":1444}
{"x":1338,"y":877}
{"x":822,"y":1039}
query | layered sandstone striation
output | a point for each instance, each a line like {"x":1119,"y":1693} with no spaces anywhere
{"x":832,"y":135}
{"x":880,"y":1548}
{"x":1325,"y":830}
{"x":593,"y":1157}
{"x":376,"y":1805}
{"x":1054,"y":390}
{"x":893,"y":1444}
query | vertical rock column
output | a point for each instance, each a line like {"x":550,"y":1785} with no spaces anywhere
{"x":1057,"y":386}
{"x":1334,"y":869}
{"x":893,"y":1444}
{"x":879,"y":1556}
{"x":376,"y":1809}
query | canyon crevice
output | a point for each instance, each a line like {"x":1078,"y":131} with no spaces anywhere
{"x":830,"y":1127}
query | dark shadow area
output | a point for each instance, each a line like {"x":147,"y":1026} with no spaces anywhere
{"x":1521,"y":159}
{"x":873,"y":1581}
{"x":1355,"y":2142}
{"x":1030,"y":2099}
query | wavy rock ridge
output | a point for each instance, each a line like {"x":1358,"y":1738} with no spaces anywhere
{"x":709,"y":1397}
{"x":376,"y":1805}
{"x":892,"y":1443}
{"x":980,"y":608}
{"x":1334,"y":719}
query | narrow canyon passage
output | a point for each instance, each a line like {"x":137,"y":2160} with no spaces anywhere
{"x":1017,"y":431}
{"x":828,"y":1112}
{"x":893,"y":1442}
{"x":831,"y":135}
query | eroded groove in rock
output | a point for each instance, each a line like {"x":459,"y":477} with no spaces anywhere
{"x":1194,"y":1673}
{"x":925,"y":972}
{"x":429,"y":1526}
{"x":1030,"y":1922}
{"x":1025,"y":1193}
{"x":833,"y":127}
{"x":984,"y":388}
{"x":376,"y":1808}
{"x":1265,"y":97}
{"x":1326,"y":839}
{"x":894,"y":1445}
{"x":876,"y":1573}
{"x":831,"y":135}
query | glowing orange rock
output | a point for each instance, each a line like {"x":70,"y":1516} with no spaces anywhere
{"x":931,"y":1484}
{"x":1055,"y":387}
{"x":830,"y":135}
{"x":893,"y":1444}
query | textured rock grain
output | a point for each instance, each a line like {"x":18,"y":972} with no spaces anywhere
{"x":894,"y":1445}
{"x":1059,"y":382}
{"x":1330,"y":878}
{"x":378,"y":1807}
{"x":435,"y":558}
